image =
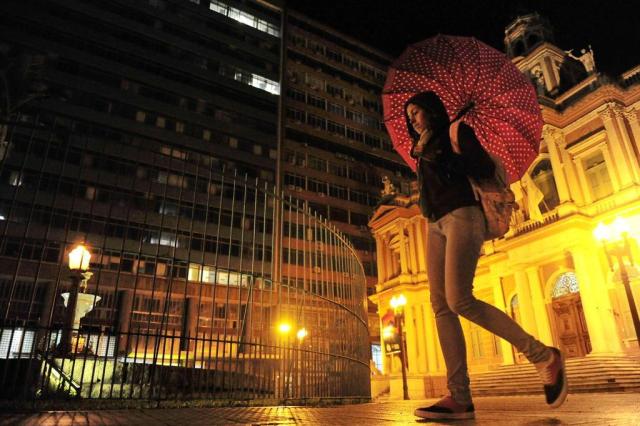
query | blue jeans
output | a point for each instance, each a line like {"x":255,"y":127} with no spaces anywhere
{"x":453,"y":249}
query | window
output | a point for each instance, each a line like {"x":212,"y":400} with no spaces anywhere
{"x":244,"y":17}
{"x":354,"y":116}
{"x":317,"y":102}
{"x":317,"y":163}
{"x":598,"y":176}
{"x":294,"y":180}
{"x":296,"y":95}
{"x":358,"y":196}
{"x":317,"y":186}
{"x":316,"y":121}
{"x":339,"y":215}
{"x":335,"y":91}
{"x":295,"y":115}
{"x":372,"y":141}
{"x":336,"y":128}
{"x":359,"y":219}
{"x":372,"y":122}
{"x":355,"y":135}
{"x":566,"y":283}
{"x":338,"y":191}
{"x":336,"y":109}
{"x":338,"y":169}
{"x":333,"y":55}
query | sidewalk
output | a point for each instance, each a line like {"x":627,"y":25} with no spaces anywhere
{"x":579,"y":409}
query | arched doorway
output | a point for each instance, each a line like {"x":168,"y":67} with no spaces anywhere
{"x":570,"y":324}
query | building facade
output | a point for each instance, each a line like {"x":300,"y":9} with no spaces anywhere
{"x":155,"y":144}
{"x":550,"y":273}
{"x":336,"y":150}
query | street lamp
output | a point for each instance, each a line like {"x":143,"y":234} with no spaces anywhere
{"x":79,"y":259}
{"x":615,"y":241}
{"x":397,"y":304}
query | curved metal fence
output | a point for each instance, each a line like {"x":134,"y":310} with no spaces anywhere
{"x":201,"y":285}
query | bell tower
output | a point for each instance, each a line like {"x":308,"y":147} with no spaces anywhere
{"x":525,"y":33}
{"x":529,"y":43}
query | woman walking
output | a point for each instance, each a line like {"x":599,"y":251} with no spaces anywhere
{"x":456,"y":232}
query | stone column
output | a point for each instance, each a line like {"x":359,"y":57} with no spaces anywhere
{"x":632,"y":117}
{"x":403,"y":249}
{"x":626,"y":143}
{"x":554,"y":138}
{"x":498,"y":300}
{"x":412,"y":248}
{"x":431,"y":339}
{"x":539,"y":306}
{"x":598,"y":310}
{"x":525,"y":303}
{"x":421,"y":244}
{"x":623,"y":167}
{"x":380,"y":260}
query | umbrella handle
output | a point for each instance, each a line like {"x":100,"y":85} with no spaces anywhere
{"x":468,"y":107}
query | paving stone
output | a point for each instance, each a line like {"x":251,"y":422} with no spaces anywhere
{"x":594,"y":409}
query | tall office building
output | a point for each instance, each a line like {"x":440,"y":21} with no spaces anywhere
{"x":161,"y":159}
{"x":336,"y":149}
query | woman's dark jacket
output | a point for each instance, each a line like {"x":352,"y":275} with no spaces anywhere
{"x":442,"y":174}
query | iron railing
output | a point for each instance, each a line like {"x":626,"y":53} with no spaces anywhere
{"x":183,"y":302}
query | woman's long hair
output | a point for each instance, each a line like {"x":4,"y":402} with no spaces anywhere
{"x":434,"y":110}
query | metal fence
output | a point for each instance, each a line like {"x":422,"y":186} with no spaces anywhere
{"x":205,"y":285}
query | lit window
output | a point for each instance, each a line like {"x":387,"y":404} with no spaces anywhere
{"x":141,"y":116}
{"x":244,"y":17}
{"x":566,"y":283}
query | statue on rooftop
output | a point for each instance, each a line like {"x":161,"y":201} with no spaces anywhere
{"x":586,"y":58}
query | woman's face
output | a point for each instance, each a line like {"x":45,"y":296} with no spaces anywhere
{"x":418,"y":118}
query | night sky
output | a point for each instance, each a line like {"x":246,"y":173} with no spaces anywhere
{"x":611,"y":27}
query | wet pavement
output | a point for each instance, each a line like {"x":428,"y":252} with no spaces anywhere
{"x":579,"y":409}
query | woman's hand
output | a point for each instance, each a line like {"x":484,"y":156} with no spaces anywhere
{"x":418,"y":148}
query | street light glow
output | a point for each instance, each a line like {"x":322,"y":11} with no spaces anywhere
{"x":302,"y":333}
{"x":602,"y":232}
{"x":284,"y":328}
{"x":617,"y":230}
{"x":388,"y":332}
{"x":398,"y":301}
{"x":620,"y":227}
{"x":79,"y":258}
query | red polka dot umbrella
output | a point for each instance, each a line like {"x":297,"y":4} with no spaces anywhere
{"x":465,"y":73}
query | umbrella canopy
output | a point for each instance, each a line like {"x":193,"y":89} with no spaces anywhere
{"x":501,"y":103}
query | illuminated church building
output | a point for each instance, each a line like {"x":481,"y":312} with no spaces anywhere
{"x":550,"y":272}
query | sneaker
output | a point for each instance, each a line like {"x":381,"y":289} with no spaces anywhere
{"x":554,"y":377}
{"x":446,"y":409}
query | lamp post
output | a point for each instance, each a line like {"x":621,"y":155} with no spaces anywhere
{"x":615,"y":241}
{"x":79,"y":259}
{"x":397,"y":304}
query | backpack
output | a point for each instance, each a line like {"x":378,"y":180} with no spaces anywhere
{"x":495,"y":197}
